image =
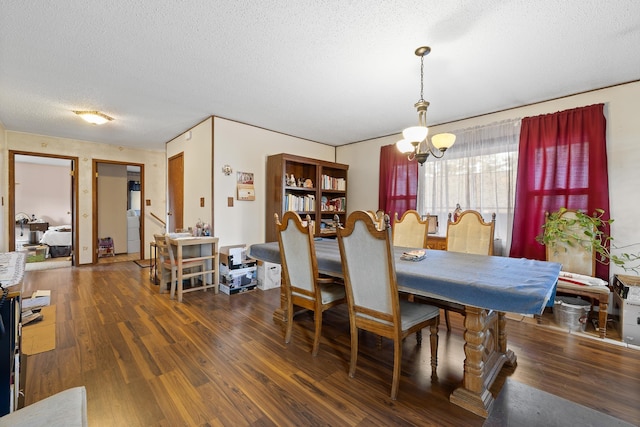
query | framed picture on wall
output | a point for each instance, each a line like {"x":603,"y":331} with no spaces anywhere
{"x":246,"y":191}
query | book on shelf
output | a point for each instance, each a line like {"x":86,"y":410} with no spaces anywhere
{"x":331,"y":183}
{"x":295,"y":203}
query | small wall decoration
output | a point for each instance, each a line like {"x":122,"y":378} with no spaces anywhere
{"x":245,"y":187}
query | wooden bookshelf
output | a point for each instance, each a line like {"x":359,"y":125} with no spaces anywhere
{"x":320,"y":191}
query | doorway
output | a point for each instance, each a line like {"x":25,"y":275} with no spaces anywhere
{"x":42,"y":203}
{"x":118,"y":221}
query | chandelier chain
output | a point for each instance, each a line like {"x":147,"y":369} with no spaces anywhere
{"x":422,"y":78}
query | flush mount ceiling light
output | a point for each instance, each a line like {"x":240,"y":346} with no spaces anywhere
{"x":415,"y":142}
{"x":94,"y":117}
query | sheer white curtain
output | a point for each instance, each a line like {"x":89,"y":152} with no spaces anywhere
{"x":479,"y":173}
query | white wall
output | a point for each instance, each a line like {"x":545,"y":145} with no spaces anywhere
{"x":622,"y":104}
{"x":4,"y":195}
{"x":112,"y":204}
{"x":245,"y":148}
{"x":197,"y":148}
{"x":86,"y":151}
{"x":44,"y":191}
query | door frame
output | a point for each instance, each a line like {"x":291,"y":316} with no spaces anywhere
{"x":74,"y":197}
{"x":94,"y":185}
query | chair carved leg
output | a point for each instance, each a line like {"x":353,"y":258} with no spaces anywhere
{"x":602,"y":320}
{"x":317,"y":315}
{"x":397,"y":362}
{"x":289,"y":325}
{"x":354,"y":352}
{"x":433,"y":337}
{"x":173,"y":283}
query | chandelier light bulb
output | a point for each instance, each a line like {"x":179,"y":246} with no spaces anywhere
{"x":415,"y":133}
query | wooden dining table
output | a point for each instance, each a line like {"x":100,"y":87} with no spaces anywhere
{"x":487,"y":287}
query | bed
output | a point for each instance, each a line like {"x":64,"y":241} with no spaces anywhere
{"x":58,"y":238}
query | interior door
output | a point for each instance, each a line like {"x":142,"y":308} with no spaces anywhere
{"x":175,"y":188}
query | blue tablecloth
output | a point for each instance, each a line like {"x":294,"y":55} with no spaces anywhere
{"x":515,"y":285}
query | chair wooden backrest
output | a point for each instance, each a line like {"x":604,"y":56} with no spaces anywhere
{"x":379,"y":218}
{"x":163,"y":265}
{"x":297,"y":253}
{"x":470,"y":234}
{"x":576,"y":256}
{"x":410,"y":231}
{"x":161,"y":247}
{"x":370,"y":275}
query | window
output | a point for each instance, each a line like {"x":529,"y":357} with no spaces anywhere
{"x":479,"y":173}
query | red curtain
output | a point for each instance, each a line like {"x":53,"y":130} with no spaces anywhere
{"x":562,"y":162}
{"x":398,"y":190}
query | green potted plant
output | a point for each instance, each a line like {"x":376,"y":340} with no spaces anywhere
{"x":587,"y":231}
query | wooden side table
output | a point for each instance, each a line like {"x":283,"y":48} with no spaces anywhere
{"x":35,"y":229}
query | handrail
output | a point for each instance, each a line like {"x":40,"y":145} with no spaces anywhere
{"x":158,"y":218}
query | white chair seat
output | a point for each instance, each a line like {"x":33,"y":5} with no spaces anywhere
{"x":331,"y":292}
{"x":413,"y":313}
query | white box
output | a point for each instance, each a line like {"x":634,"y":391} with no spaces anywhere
{"x":628,"y":319}
{"x":269,"y":275}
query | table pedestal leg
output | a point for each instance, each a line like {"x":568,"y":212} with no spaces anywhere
{"x":486,"y":352}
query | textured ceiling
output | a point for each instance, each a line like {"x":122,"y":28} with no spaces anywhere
{"x":329,"y":71}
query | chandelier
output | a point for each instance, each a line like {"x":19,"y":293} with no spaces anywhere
{"x":415,"y":142}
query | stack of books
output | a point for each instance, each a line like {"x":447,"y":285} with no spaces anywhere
{"x":415,"y":255}
{"x":31,"y":306}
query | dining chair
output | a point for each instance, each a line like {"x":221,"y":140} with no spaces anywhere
{"x":163,"y":264}
{"x":379,"y":218}
{"x":410,"y":231}
{"x":579,"y":257}
{"x":470,"y":234}
{"x":374,"y":303}
{"x":303,"y":285}
{"x":168,"y":266}
{"x":575,"y":256}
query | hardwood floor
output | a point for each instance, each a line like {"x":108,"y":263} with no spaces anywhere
{"x":147,"y":360}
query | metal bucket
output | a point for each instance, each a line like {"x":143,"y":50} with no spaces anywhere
{"x":571,"y":313}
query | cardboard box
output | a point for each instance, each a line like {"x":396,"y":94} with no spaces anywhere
{"x":623,"y":283}
{"x":238,"y":278}
{"x":269,"y":275}
{"x":239,"y":290}
{"x":235,"y":257}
